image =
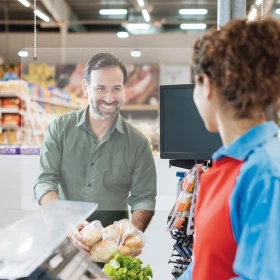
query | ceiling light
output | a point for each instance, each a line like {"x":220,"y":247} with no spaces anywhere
{"x":277,"y":11}
{"x":193,"y":26}
{"x":146,"y":15}
{"x":110,"y":12}
{"x":135,"y":53}
{"x":122,"y":34}
{"x":140,"y":3}
{"x":25,"y":3}
{"x":23,"y":53}
{"x":42,"y":15}
{"x":193,"y":11}
{"x":253,"y":13}
{"x":138,"y":26}
{"x":258,"y":2}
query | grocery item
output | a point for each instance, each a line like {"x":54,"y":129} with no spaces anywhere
{"x":134,"y":243}
{"x":102,"y":251}
{"x":3,"y":137}
{"x":92,"y":236}
{"x":182,"y":212}
{"x":126,"y":227}
{"x":124,"y":250}
{"x":11,"y":119}
{"x":127,"y":268}
{"x":112,"y":233}
{"x":92,"y":233}
{"x":12,"y":137}
{"x":11,"y":102}
{"x":122,"y":237}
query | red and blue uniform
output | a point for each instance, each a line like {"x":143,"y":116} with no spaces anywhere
{"x":237,"y":215}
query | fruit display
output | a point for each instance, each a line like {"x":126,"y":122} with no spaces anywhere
{"x":42,"y":74}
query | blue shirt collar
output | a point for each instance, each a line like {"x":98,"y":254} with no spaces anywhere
{"x":243,"y":146}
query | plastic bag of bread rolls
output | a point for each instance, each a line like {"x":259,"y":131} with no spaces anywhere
{"x":92,"y":233}
{"x":122,"y":237}
{"x":131,"y":240}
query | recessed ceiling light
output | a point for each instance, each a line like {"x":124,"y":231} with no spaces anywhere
{"x":122,"y":34}
{"x":193,"y":11}
{"x":140,"y":3}
{"x":277,"y":11}
{"x":25,"y":3}
{"x":196,"y":26}
{"x":135,"y":53}
{"x":42,"y":15}
{"x":110,"y":12}
{"x":253,"y":13}
{"x":146,"y":15}
{"x":23,"y":53}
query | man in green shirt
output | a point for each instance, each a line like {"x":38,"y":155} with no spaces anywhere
{"x":94,"y":155}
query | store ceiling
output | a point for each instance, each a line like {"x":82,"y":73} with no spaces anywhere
{"x":84,"y":14}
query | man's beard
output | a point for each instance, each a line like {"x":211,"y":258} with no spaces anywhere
{"x":95,"y":106}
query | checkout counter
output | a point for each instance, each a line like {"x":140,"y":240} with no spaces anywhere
{"x":37,"y":247}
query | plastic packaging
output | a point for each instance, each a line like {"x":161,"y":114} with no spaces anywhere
{"x":122,"y":237}
{"x":185,"y":202}
{"x":131,"y":237}
{"x":92,"y":233}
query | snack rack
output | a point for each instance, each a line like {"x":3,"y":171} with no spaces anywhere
{"x":180,"y":222}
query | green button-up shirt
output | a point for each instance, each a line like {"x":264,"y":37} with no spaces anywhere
{"x":114,"y":172}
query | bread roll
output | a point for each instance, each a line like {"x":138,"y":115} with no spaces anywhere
{"x":126,"y":228}
{"x":134,"y":243}
{"x":123,"y":250}
{"x":91,"y":235}
{"x":102,"y":251}
{"x":112,"y":233}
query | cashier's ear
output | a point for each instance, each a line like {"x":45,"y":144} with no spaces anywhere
{"x":85,"y":87}
{"x":207,"y":86}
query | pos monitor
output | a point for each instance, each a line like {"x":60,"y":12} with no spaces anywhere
{"x":183,"y":135}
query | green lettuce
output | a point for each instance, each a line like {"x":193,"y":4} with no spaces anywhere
{"x":127,"y":268}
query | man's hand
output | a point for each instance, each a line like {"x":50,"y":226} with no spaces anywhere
{"x":78,"y":240}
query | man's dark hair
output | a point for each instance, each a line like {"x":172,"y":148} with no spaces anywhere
{"x":102,"y":60}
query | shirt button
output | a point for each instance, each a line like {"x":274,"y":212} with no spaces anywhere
{"x":92,"y":164}
{"x":89,"y":185}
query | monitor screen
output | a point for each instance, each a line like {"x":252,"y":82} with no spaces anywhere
{"x":182,"y":132}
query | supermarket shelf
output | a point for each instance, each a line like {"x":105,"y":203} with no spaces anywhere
{"x":140,"y":107}
{"x":43,"y":100}
{"x":9,"y":126}
{"x":10,"y":110}
{"x":8,"y":94}
{"x":56,"y":103}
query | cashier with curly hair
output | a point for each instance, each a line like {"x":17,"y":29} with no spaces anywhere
{"x":237,"y":215}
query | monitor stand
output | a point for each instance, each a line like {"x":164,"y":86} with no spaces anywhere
{"x":188,"y":163}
